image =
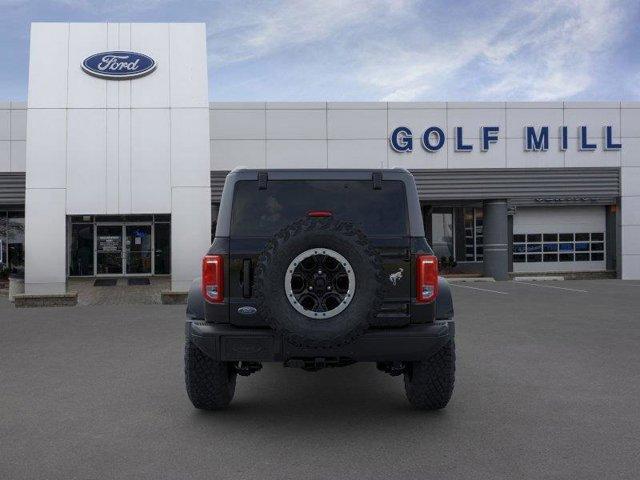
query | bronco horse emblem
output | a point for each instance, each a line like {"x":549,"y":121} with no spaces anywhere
{"x":394,"y":277}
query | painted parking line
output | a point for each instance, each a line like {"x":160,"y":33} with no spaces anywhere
{"x":552,"y":286}
{"x":476,"y":288}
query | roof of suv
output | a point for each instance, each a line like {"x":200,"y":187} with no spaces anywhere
{"x":319,"y":173}
{"x":245,"y":174}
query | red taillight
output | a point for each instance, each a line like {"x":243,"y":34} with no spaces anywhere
{"x":426,"y":278}
{"x":213,"y":278}
{"x":319,"y":213}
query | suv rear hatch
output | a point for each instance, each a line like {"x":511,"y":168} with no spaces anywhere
{"x":261,"y":208}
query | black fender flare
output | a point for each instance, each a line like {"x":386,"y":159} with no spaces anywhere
{"x":195,"y":302}
{"x":444,"y":301}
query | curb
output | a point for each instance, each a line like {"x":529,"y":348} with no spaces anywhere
{"x":538,"y":279}
{"x":471,"y":279}
{"x":68,"y":299}
{"x":173,"y":298}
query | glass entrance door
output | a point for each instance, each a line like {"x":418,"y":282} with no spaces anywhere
{"x":109,"y":250}
{"x":139,"y":249}
{"x":112,"y":246}
{"x":124,"y":249}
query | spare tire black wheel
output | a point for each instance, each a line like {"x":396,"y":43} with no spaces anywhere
{"x":319,"y":282}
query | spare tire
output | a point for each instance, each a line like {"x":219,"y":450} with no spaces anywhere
{"x":319,"y":282}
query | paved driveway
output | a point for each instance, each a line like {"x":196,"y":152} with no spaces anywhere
{"x":548,"y":386}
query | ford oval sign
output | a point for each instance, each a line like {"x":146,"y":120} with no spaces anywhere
{"x":118,"y":65}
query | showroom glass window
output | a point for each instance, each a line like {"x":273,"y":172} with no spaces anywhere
{"x":442,"y":229}
{"x":473,"y":238}
{"x":455,"y":233}
{"x":4,"y":266}
{"x":558,"y":247}
{"x":12,"y":240}
{"x":162,"y":251}
{"x":120,"y":244}
{"x":81,"y":251}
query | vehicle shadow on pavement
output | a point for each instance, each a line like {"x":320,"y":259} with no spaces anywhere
{"x":333,"y":396}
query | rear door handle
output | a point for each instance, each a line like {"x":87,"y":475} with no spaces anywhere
{"x":246,"y":278}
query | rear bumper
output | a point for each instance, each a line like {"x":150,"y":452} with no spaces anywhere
{"x":228,"y":343}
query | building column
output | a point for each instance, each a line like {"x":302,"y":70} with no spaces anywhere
{"x":45,"y":241}
{"x":629,"y":266}
{"x":190,"y":234}
{"x":611,"y":243}
{"x":510,"y":214}
{"x":495,"y":237}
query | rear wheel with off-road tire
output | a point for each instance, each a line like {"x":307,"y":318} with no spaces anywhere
{"x":210,"y":384}
{"x":429,"y":383}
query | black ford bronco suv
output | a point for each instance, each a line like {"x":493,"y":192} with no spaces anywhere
{"x":315,"y":269}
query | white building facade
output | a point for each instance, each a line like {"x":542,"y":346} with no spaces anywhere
{"x":122,"y":176}
{"x":116,"y":147}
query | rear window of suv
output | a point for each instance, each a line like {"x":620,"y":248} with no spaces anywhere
{"x":261,"y":213}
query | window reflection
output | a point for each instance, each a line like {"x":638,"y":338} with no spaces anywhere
{"x":11,"y":242}
{"x":572,"y":247}
{"x":442,"y":234}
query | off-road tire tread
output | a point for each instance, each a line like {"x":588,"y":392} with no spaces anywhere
{"x":429,"y":383}
{"x":210,"y":384}
{"x":307,"y":224}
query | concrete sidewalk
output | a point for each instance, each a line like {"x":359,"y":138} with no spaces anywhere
{"x":121,"y":294}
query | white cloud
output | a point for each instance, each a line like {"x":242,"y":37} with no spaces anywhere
{"x":407,"y":50}
{"x":103,"y":7}
{"x":546,"y":51}
{"x":569,"y":51}
{"x":260,"y":29}
{"x":416,"y":73}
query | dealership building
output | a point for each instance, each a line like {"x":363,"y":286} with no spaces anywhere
{"x":114,"y":165}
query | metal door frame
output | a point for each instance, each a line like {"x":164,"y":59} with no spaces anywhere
{"x":151,"y":248}
{"x":123,"y":251}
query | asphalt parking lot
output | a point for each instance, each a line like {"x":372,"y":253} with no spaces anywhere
{"x":548,"y":386}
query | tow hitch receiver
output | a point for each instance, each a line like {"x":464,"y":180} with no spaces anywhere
{"x":244,"y":369}
{"x":392,"y":368}
{"x":317,"y":363}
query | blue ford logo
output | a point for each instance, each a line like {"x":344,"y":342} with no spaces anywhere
{"x":118,"y":65}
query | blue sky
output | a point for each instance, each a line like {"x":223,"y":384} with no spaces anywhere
{"x":378,"y":49}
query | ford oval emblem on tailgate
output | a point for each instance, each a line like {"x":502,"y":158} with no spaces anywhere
{"x":247,"y":310}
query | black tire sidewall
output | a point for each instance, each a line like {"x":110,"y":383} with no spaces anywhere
{"x":429,"y":383}
{"x":210,"y":384}
{"x":320,"y":332}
